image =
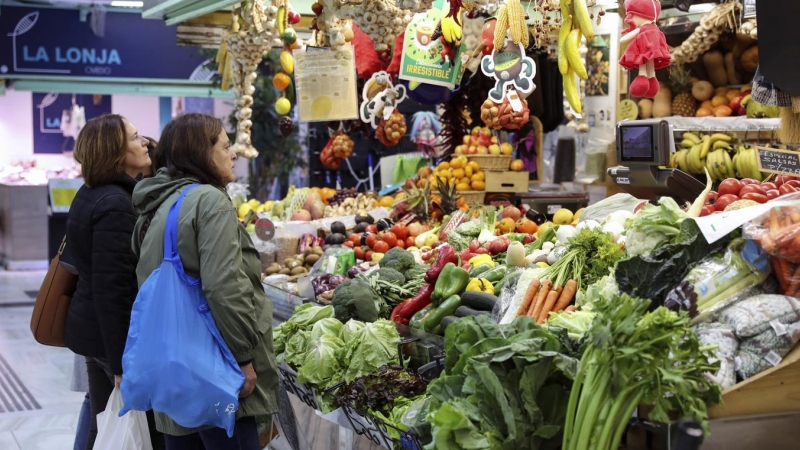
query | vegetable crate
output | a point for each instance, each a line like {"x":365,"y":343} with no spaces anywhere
{"x":377,"y":431}
{"x":507,"y":181}
{"x":491,"y":163}
{"x":304,"y":392}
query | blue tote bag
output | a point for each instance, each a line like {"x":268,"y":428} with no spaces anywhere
{"x":175,"y":360}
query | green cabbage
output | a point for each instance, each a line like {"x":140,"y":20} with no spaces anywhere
{"x":328,"y":326}
{"x":321,"y":366}
{"x":296,"y":348}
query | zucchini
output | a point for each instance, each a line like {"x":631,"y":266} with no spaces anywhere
{"x":464,"y":311}
{"x":478,"y":300}
{"x":446,"y":322}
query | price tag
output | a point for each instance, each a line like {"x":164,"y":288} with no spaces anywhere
{"x":773,"y":358}
{"x":552,"y":209}
{"x":778,"y":161}
{"x":627,"y":110}
{"x":780,"y":329}
{"x":265,"y":229}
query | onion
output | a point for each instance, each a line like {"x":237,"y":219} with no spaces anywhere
{"x":565,"y":233}
{"x":590,"y":224}
{"x":614,"y":229}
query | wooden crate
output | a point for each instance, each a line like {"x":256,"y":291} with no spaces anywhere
{"x":507,"y":181}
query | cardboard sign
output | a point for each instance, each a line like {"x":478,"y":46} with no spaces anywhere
{"x":428,"y":60}
{"x":325,"y":83}
{"x":772,"y":160}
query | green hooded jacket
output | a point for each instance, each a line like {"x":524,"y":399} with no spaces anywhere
{"x":214,"y":247}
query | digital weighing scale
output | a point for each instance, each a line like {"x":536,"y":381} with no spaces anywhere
{"x":643,"y":150}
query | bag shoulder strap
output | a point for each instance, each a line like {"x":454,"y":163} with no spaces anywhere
{"x":171,"y":230}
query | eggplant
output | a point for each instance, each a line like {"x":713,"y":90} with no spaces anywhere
{"x":361,"y":227}
{"x":338,"y":227}
{"x":536,"y":217}
{"x":385,"y":224}
{"x":365,"y":218}
{"x":335,"y":239}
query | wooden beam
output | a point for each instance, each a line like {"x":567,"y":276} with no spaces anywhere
{"x":223,"y":19}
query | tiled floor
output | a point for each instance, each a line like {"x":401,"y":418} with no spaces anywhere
{"x":46,"y":371}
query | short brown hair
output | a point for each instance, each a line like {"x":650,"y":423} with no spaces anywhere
{"x":100,"y":149}
{"x":185,"y":148}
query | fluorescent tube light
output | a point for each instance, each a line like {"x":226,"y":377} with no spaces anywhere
{"x":698,"y":8}
{"x":127,"y":4}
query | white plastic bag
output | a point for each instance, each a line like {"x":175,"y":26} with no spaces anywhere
{"x":129,"y":432}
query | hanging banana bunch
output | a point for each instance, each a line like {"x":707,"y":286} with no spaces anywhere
{"x":576,"y":23}
{"x":511,"y":21}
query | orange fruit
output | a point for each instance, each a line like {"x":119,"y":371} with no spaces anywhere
{"x":722,"y":111}
{"x":704,"y":112}
{"x":456,"y":163}
{"x":444,"y":165}
{"x":707,"y":104}
{"x":478,"y":185}
{"x":478,"y":176}
{"x":462,"y":187}
{"x":719,"y":100}
{"x":281,"y":81}
{"x":458,"y":173}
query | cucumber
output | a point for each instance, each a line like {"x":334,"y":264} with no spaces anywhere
{"x":464,"y":311}
{"x":446,"y":322}
{"x":478,"y":300}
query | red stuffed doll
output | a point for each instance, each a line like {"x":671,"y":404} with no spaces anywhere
{"x":647,"y":49}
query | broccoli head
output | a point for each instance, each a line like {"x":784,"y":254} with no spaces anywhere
{"x":390,"y":275}
{"x":398,"y":259}
{"x":418,"y":271}
{"x":356,"y":299}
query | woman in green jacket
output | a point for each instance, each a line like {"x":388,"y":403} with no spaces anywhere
{"x":215,"y":248}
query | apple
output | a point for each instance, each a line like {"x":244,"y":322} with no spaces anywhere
{"x":485,"y":141}
{"x":294,"y":17}
{"x":473,"y":150}
{"x":465,"y":140}
{"x":473,"y":140}
{"x":485,"y":131}
{"x":317,"y":7}
{"x":494,"y":140}
{"x":506,"y":148}
{"x":494,"y":149}
{"x":476,"y":131}
{"x":483,"y":150}
{"x":460,"y":149}
{"x":736,"y":103}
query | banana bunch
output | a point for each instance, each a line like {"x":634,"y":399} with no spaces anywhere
{"x":576,"y":23}
{"x":451,"y":31}
{"x":511,"y":20}
{"x":745,"y":161}
{"x":696,"y":154}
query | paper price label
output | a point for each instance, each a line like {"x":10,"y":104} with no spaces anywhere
{"x":773,"y":358}
{"x":780,"y":329}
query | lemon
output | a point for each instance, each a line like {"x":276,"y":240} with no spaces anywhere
{"x":562,"y":217}
{"x":577,"y":215}
{"x":244,"y":210}
{"x":543,"y":227}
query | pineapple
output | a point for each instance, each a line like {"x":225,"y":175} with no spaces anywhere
{"x":448,"y":197}
{"x":683,"y":103}
{"x":416,"y":201}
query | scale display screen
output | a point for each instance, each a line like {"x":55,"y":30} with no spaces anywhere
{"x":637,"y":144}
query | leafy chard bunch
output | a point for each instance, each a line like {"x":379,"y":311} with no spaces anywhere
{"x":635,"y":357}
{"x":378,"y":391}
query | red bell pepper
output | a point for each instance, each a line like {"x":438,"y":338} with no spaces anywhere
{"x":447,"y":254}
{"x":414,"y":305}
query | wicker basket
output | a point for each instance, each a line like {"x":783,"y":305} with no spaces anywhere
{"x":473,"y":197}
{"x":491,"y":162}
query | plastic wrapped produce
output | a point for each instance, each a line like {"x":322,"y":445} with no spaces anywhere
{"x":722,"y":335}
{"x":766,"y":350}
{"x":757,"y":314}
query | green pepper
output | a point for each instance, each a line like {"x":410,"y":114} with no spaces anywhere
{"x":447,"y":308}
{"x":452,"y":281}
{"x":494,"y":275}
{"x":478,"y":271}
{"x":420,"y":316}
{"x":510,"y":280}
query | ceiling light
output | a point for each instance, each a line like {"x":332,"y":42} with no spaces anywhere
{"x":127,"y":4}
{"x":701,"y":8}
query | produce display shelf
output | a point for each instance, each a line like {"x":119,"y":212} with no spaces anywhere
{"x":774,"y":391}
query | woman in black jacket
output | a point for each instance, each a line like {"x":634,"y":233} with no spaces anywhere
{"x":99,"y":230}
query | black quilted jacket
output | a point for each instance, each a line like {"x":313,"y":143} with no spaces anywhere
{"x":99,"y":229}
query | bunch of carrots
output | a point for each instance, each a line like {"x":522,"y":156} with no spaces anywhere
{"x":542,"y":298}
{"x":781,"y":239}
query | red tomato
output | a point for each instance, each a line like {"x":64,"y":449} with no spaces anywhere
{"x":759,"y":198}
{"x":372,"y":228}
{"x":349,"y":244}
{"x":707,"y":209}
{"x":780,"y":179}
{"x":381,"y":247}
{"x":401,"y":231}
{"x":793,"y":183}
{"x":389,"y":238}
{"x":360,"y":253}
{"x":401,"y":243}
{"x":355,"y":237}
{"x":730,"y":186}
{"x":785,"y":189}
{"x":724,"y":200}
{"x":768,"y":186}
{"x":371,"y":240}
{"x":410,"y":242}
{"x":774,"y":193}
{"x":368,"y":255}
{"x":752,"y":189}
{"x":712,"y":197}
{"x":749,"y":181}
